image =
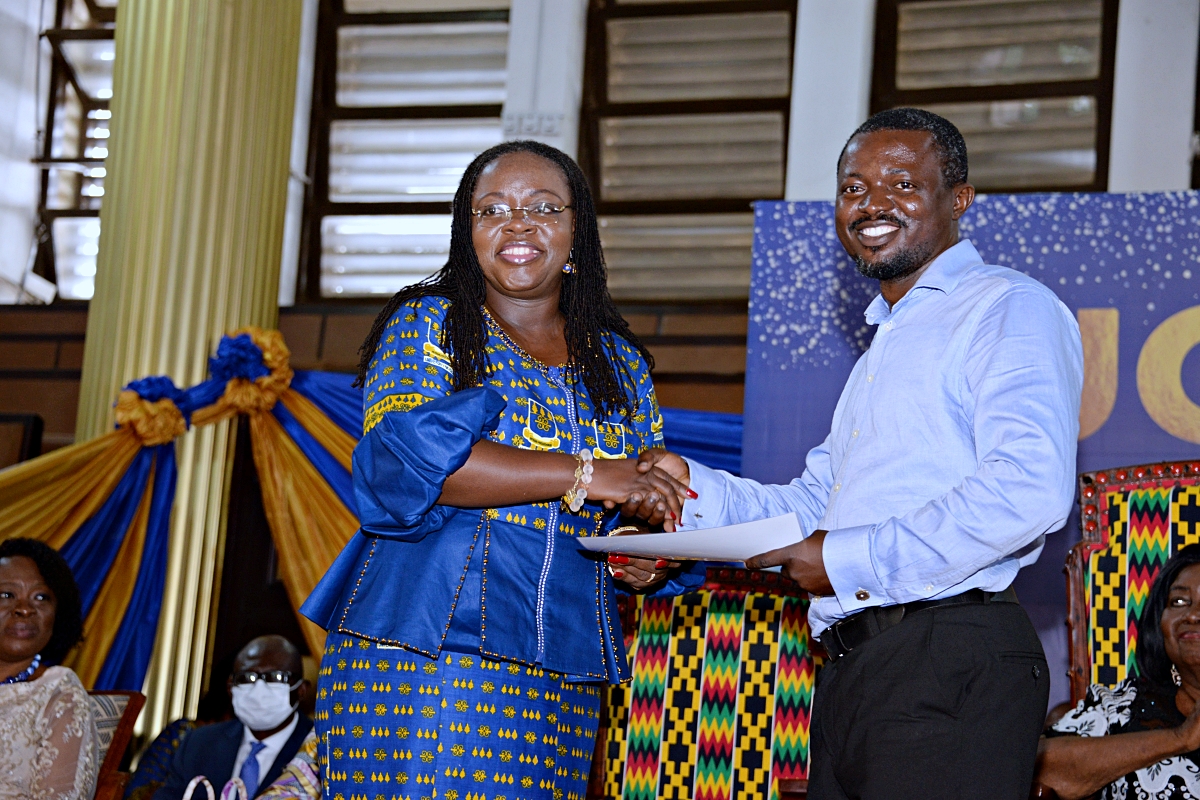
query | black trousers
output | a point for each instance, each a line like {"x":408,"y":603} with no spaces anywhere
{"x":949,"y":703}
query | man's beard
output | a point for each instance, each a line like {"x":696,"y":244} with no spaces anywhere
{"x":898,"y":265}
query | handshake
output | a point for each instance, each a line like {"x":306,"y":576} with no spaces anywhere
{"x":654,"y":489}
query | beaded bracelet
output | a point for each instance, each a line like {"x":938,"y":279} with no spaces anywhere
{"x":573,"y":499}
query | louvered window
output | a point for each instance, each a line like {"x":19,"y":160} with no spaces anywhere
{"x":72,"y":155}
{"x":681,"y":256}
{"x":685,"y":124}
{"x":1028,"y":82}
{"x":408,"y":92}
{"x":450,"y":64}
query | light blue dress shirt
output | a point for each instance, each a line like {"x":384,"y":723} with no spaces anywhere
{"x":952,"y":449}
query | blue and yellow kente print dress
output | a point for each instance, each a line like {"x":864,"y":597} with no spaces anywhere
{"x":467,"y":648}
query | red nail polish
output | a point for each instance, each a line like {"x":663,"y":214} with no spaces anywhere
{"x":662,"y":562}
{"x":618,"y":573}
{"x":692,"y":494}
{"x":618,"y":559}
{"x":674,"y":517}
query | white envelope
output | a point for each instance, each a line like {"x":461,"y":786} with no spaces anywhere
{"x":728,"y":543}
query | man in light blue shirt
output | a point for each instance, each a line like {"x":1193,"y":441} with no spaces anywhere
{"x":951,"y":455}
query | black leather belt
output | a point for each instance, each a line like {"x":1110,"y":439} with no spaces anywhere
{"x":857,"y":629}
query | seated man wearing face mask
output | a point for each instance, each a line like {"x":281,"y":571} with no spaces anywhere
{"x":267,"y":687}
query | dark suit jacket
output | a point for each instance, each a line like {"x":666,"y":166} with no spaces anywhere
{"x":211,"y":751}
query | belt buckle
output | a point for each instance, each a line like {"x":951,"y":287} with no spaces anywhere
{"x":837,"y":635}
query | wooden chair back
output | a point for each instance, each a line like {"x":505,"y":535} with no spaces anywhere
{"x":115,"y":714}
{"x":1133,"y":520}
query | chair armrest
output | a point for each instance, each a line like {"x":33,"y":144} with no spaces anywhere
{"x":793,"y":790}
{"x":111,"y":785}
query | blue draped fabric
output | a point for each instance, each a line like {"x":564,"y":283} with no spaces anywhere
{"x":337,"y":476}
{"x":237,"y":357}
{"x":91,"y":551}
{"x":332,"y":393}
{"x":129,"y":657}
{"x":712,"y":438}
{"x":200,"y":396}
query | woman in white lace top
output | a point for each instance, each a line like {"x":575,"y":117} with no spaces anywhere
{"x":1140,"y":740}
{"x":47,"y":732}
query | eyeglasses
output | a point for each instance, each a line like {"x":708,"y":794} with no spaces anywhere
{"x":498,"y":214}
{"x":271,"y":676}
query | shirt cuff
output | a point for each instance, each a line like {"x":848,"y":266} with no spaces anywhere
{"x":706,"y":510}
{"x":846,"y":553}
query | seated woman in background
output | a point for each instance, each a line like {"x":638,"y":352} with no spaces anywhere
{"x":1140,"y":739}
{"x":47,"y":732}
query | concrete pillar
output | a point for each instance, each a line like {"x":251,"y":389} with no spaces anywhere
{"x":545,"y":71}
{"x":831,"y":90}
{"x":1154,"y":94}
{"x":191,"y":235}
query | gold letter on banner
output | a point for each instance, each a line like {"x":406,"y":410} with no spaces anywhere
{"x":1099,"y":328}
{"x":1160,"y":375}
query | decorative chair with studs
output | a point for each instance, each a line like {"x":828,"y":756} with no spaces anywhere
{"x":1133,"y":520}
{"x":721,"y":694}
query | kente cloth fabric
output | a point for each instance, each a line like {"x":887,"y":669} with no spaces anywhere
{"x":549,"y":602}
{"x":154,"y":765}
{"x":47,"y":739}
{"x":1142,"y":528}
{"x":951,"y":453}
{"x":1135,"y":705}
{"x":458,"y":727}
{"x":721,"y":696}
{"x":301,"y":778}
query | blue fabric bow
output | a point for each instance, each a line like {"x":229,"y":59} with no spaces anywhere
{"x":237,"y":357}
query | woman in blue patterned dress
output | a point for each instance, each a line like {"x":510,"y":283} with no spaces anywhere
{"x":469,"y":632}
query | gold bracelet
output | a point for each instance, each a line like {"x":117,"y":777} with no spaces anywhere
{"x":573,"y":500}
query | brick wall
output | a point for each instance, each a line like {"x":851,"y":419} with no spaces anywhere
{"x":699,"y":350}
{"x":41,"y":353}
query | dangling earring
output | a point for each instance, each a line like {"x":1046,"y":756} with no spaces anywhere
{"x":569,"y":267}
{"x":1175,"y":676}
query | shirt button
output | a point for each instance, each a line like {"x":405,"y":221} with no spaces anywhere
{"x":887,"y":326}
{"x":862,"y":594}
{"x":837,"y":487}
{"x":870,"y":379}
{"x":855,"y":434}
{"x":929,"y":587}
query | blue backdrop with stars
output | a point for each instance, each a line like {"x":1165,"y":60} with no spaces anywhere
{"x":1138,"y":254}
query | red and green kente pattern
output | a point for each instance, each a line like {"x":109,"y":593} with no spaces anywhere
{"x":720,"y":700}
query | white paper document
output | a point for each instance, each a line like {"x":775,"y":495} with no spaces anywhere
{"x":728,"y":543}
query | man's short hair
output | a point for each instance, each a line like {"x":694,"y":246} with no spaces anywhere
{"x":947,"y":139}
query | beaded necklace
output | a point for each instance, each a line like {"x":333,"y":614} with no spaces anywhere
{"x":26,"y":673}
{"x":498,"y":329}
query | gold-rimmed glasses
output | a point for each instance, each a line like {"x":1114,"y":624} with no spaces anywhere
{"x":497,"y":214}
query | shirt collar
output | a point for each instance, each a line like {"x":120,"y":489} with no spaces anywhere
{"x":275,"y":742}
{"x":943,"y":274}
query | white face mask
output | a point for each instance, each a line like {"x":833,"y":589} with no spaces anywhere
{"x":262,"y":706}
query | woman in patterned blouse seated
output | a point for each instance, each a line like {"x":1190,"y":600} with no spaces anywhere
{"x":505,"y":404}
{"x":1140,"y":739}
{"x":47,"y":732}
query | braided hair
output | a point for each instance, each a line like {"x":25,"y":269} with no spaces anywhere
{"x":591,"y":316}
